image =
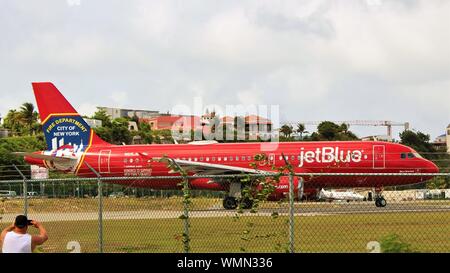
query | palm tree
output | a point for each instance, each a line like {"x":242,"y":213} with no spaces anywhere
{"x":301,"y":129}
{"x":286,"y":130}
{"x":13,"y":121}
{"x":28,"y":115}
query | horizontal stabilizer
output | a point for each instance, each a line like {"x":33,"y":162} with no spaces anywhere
{"x":46,"y":157}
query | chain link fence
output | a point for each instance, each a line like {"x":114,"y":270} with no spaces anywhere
{"x":96,"y":215}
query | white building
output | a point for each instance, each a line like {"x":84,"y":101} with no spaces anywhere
{"x":448,"y":138}
{"x":93,"y":123}
{"x":120,"y":112}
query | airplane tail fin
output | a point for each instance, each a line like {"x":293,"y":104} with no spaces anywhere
{"x":62,"y":125}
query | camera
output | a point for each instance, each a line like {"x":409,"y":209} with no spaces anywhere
{"x":29,"y":222}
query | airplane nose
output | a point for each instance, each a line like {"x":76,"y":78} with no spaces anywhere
{"x":431,"y":167}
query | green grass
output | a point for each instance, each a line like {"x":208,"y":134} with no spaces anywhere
{"x":42,"y":205}
{"x":425,"y":232}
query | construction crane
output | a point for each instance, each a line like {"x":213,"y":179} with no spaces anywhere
{"x":386,"y":123}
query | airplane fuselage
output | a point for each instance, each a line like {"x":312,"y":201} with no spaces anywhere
{"x":305,"y":157}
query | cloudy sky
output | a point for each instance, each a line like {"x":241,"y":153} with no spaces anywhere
{"x":333,"y":60}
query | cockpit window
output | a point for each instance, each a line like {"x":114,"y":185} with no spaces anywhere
{"x":411,"y":155}
{"x":402,"y":155}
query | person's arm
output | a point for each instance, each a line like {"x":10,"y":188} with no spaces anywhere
{"x":38,"y":239}
{"x":6,"y":230}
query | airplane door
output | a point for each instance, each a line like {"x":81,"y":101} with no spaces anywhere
{"x":104,"y":161}
{"x":379,"y":157}
{"x":271,"y":159}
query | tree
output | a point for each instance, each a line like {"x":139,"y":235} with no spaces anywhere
{"x":119,"y":131}
{"x":162,"y":136}
{"x":301,"y":130}
{"x":145,"y":132}
{"x":104,"y":133}
{"x":328,"y":130}
{"x":29,"y":116}
{"x":286,"y":130}
{"x":418,"y":141}
{"x":13,"y":122}
{"x":103,"y":116}
{"x":9,"y":145}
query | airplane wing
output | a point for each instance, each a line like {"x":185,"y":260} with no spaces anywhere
{"x":203,"y":168}
{"x":46,"y":157}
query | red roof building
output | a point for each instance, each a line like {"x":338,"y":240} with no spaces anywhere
{"x":253,"y":119}
{"x":173,"y":122}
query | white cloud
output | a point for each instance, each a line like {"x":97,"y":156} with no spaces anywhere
{"x":87,"y":109}
{"x":119,"y":98}
{"x":59,"y":50}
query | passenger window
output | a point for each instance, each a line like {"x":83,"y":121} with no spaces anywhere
{"x":243,"y":158}
{"x":237,"y":158}
{"x":403,"y":156}
{"x":231,"y":158}
{"x":213,"y":158}
{"x":249,"y":158}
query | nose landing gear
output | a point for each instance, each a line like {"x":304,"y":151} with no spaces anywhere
{"x":380,"y":202}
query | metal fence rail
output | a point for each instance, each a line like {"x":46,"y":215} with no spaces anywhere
{"x":94,"y":215}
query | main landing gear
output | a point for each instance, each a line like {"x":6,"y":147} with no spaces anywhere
{"x":234,"y":197}
{"x":380,"y":202}
{"x":230,"y":202}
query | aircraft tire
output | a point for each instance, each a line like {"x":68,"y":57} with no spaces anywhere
{"x":382,"y":202}
{"x":377,"y":202}
{"x":229,"y":203}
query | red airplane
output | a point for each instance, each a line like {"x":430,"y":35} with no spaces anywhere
{"x":74,"y":147}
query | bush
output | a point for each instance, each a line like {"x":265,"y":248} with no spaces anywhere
{"x":392,"y":243}
{"x":19,"y":144}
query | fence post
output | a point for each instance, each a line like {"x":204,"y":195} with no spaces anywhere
{"x":291,"y":213}
{"x":100,"y":207}
{"x":291,"y":203}
{"x":25,"y":191}
{"x":185,"y":207}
